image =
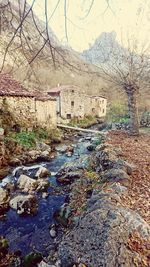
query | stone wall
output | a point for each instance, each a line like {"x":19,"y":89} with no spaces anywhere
{"x":95,"y":106}
{"x":22,"y":109}
{"x":29,"y":112}
{"x":46,"y":113}
{"x":72,"y":104}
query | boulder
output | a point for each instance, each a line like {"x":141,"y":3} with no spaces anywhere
{"x":42,"y":185}
{"x":130,"y":168}
{"x":61,"y":148}
{"x":45,"y":195}
{"x":24,"y":204}
{"x":44,"y":264}
{"x":14,"y":162}
{"x":45,"y":154}
{"x":69,"y":154}
{"x":43,"y":147}
{"x":69,"y":177}
{"x":3,"y":196}
{"x":32,"y":259}
{"x":53,"y":231}
{"x":104,"y":158}
{"x":1,"y":131}
{"x":72,"y":170}
{"x":4,"y":200}
{"x":116,"y":175}
{"x":70,"y":149}
{"x":25,"y":170}
{"x":73,"y":166}
{"x":4,"y":172}
{"x":102,"y":236}
{"x":26,"y":183}
{"x":34,"y":154}
{"x":62,"y":215}
{"x":42,"y":172}
{"x":90,"y":147}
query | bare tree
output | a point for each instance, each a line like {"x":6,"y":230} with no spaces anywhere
{"x":16,"y":15}
{"x":129,"y":69}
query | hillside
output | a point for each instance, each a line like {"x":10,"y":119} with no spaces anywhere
{"x":41,"y":73}
{"x":70,"y":66}
{"x":109,"y":55}
{"x":100,"y":52}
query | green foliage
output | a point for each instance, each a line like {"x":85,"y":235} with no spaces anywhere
{"x":27,"y":139}
{"x":124,"y":119}
{"x":32,"y":259}
{"x":87,"y":121}
{"x":41,"y":133}
{"x":117,"y":113}
{"x":3,"y":243}
{"x":6,"y":118}
{"x":97,"y":141}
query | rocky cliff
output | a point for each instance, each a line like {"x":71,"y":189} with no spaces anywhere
{"x":41,"y":73}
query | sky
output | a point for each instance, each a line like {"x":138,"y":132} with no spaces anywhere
{"x":125,"y":17}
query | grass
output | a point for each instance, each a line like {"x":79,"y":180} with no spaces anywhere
{"x":28,"y":139}
{"x":87,"y":121}
{"x":117,"y":113}
{"x":25,"y":139}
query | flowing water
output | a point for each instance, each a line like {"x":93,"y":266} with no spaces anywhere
{"x":28,"y":233}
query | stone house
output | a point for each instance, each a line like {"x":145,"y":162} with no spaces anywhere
{"x":70,"y":101}
{"x":73,"y":102}
{"x":28,"y":109}
{"x":96,"y":106}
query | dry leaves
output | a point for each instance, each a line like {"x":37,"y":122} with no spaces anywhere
{"x":136,"y":150}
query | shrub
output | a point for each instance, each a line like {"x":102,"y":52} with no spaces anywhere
{"x":145,"y":119}
{"x":55,"y":135}
{"x":27,"y":139}
{"x":87,"y":121}
{"x":41,"y":133}
{"x":117,"y":113}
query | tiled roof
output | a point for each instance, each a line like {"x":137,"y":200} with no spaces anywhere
{"x":45,"y":98}
{"x":58,"y":89}
{"x":11,"y":87}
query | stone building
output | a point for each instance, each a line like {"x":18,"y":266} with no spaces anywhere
{"x":96,"y":106}
{"x":72,"y":102}
{"x":28,"y":109}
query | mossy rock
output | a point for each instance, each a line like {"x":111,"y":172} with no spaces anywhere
{"x":3,"y":245}
{"x":32,"y":259}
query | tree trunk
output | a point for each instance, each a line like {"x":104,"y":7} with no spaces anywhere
{"x":133,"y":112}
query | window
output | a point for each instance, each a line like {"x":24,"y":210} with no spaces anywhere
{"x":68,"y":116}
{"x":72,"y":103}
{"x":103,"y":110}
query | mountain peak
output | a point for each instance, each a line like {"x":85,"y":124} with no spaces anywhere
{"x":99,"y":52}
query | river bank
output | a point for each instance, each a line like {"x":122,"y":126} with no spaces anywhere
{"x":110,"y":230}
{"x":82,"y":213}
{"x":32,"y":199}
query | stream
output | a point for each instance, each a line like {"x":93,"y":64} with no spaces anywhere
{"x":28,"y":233}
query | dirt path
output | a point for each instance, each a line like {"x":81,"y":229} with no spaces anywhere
{"x":136,"y":151}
